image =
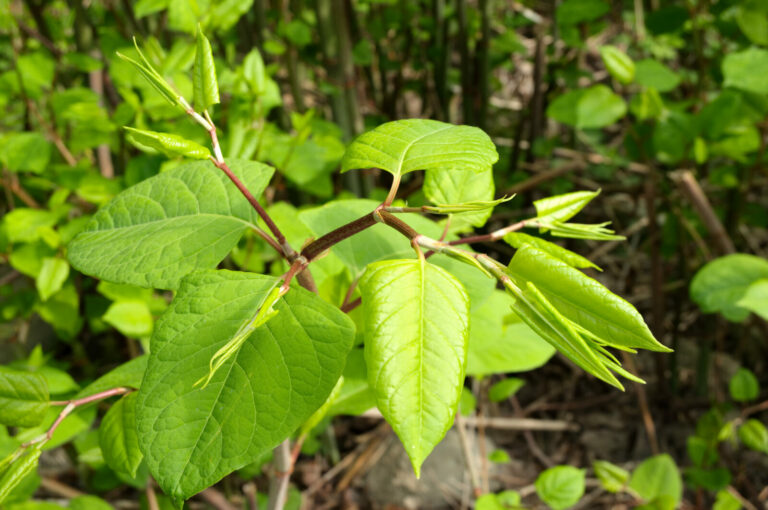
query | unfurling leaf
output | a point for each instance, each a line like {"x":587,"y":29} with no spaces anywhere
{"x":17,"y":466}
{"x":417,"y":324}
{"x":206,"y":87}
{"x":563,"y":207}
{"x":596,"y":232}
{"x":403,"y":146}
{"x":153,"y":77}
{"x":518,"y":239}
{"x":168,"y":143}
{"x":476,"y":205}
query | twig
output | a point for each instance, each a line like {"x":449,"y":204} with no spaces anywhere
{"x":278,"y":482}
{"x":56,"y":487}
{"x":151,"y":496}
{"x":690,"y":187}
{"x":216,"y":499}
{"x":468,"y":458}
{"x":642,"y":400}
{"x":249,"y":489}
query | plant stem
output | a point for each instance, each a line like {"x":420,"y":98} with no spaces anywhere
{"x":278,"y":487}
{"x":71,"y":405}
{"x":317,"y":247}
{"x":392,"y":190}
{"x":493,"y":236}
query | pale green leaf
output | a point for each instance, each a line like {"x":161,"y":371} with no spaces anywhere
{"x":153,"y":77}
{"x":456,"y":186}
{"x":53,"y":274}
{"x":323,"y":410}
{"x":561,"y":487}
{"x":118,"y":437}
{"x":754,"y":435}
{"x":584,"y":301}
{"x":726,"y":501}
{"x":206,"y":87}
{"x":192,"y":436}
{"x":518,"y":239}
{"x":131,"y":318}
{"x":25,"y":152}
{"x":356,"y":396}
{"x":168,"y":143}
{"x":612,"y":477}
{"x":254,"y":73}
{"x":563,"y":207}
{"x":755,"y":299}
{"x":657,"y":477}
{"x":747,"y":70}
{"x":403,"y":146}
{"x":417,"y":322}
{"x":618,"y":63}
{"x":23,"y":397}
{"x":154,"y":233}
{"x":722,"y":283}
{"x":14,"y":474}
{"x":592,"y":108}
{"x":504,"y":389}
{"x":24,"y":224}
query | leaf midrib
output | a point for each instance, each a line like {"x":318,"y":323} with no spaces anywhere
{"x":412,"y":143}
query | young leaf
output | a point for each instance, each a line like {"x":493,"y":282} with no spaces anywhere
{"x":584,"y":301}
{"x":403,"y":146}
{"x":500,"y":342}
{"x":23,"y":397}
{"x":618,"y":64}
{"x":657,"y":477}
{"x":15,"y":472}
{"x":563,"y":207}
{"x":416,"y":331}
{"x":128,"y":375}
{"x":592,"y":108}
{"x":356,"y":396}
{"x":518,"y":239}
{"x":153,"y":77}
{"x":456,"y":186}
{"x":192,"y":436}
{"x":53,"y":274}
{"x":743,"y":386}
{"x":561,"y":486}
{"x":504,"y":389}
{"x":755,"y":298}
{"x":167,"y":143}
{"x":722,"y":283}
{"x":597,"y":231}
{"x":323,"y":410}
{"x":118,"y":437}
{"x":612,"y":477}
{"x":154,"y":233}
{"x":754,"y":435}
{"x":206,"y":87}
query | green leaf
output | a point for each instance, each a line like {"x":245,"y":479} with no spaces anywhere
{"x":131,"y":318}
{"x":26,"y":225}
{"x":25,"y":152}
{"x":572,"y":12}
{"x":752,"y":18}
{"x":612,"y":477}
{"x":14,"y":474}
{"x":726,"y":501}
{"x":127,"y":375}
{"x":456,"y":186}
{"x":754,"y":435}
{"x":253,"y":72}
{"x":119,"y":439}
{"x":500,"y":342}
{"x":206,"y":87}
{"x":499,"y":457}
{"x":154,"y":233}
{"x":403,"y":146}
{"x":657,"y":477}
{"x":651,"y":73}
{"x":592,"y":108}
{"x":153,"y":77}
{"x":618,"y":63}
{"x":518,"y":240}
{"x":755,"y":298}
{"x":167,"y":143}
{"x":417,"y":322}
{"x":743,"y":386}
{"x":648,"y":104}
{"x":747,"y":70}
{"x":720,"y":284}
{"x":23,"y":397}
{"x":356,"y":396}
{"x":584,"y":301}
{"x":375,"y":243}
{"x":563,"y":207}
{"x":88,"y":503}
{"x":323,"y":410}
{"x":561,"y":486}
{"x":504,"y":389}
{"x":53,"y":274}
{"x":191,"y":436}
